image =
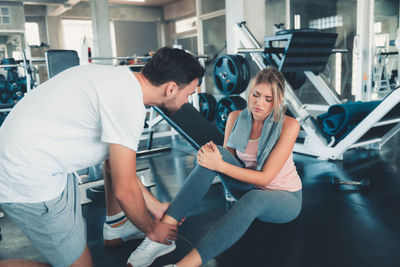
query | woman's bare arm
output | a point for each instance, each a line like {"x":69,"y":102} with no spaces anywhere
{"x":277,"y":158}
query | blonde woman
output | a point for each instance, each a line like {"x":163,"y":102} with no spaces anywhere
{"x":255,"y":165}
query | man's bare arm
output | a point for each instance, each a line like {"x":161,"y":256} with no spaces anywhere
{"x":127,"y":190}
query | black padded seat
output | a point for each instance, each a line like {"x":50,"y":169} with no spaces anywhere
{"x":58,"y":60}
{"x":196,"y":129}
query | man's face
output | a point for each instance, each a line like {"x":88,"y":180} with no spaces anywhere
{"x":181,"y":97}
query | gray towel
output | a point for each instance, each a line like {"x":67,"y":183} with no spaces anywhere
{"x":241,"y":130}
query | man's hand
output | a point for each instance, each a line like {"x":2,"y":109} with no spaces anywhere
{"x":163,"y":233}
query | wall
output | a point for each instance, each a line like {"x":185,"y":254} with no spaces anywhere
{"x":135,"y":38}
{"x":14,"y":30}
{"x":120,"y":12}
{"x":275,"y":11}
{"x":17,"y":16}
{"x":183,"y":8}
{"x":37,"y":14}
{"x":208,"y":6}
{"x":254,"y":16}
{"x":35,"y":10}
{"x":54,"y":33}
{"x":173,"y":12}
{"x":386,"y":8}
{"x":346,"y":35}
{"x":388,"y":14}
{"x":41,"y":22}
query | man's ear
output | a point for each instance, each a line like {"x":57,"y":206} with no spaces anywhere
{"x":171,"y":88}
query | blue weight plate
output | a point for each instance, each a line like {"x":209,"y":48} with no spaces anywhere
{"x":225,"y":106}
{"x":226,"y":74}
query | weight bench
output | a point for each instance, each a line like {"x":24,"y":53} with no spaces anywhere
{"x":196,"y":129}
{"x":58,"y":60}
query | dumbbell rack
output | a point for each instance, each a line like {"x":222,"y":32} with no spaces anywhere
{"x":29,"y":85}
{"x":313,"y":141}
{"x":7,"y":107}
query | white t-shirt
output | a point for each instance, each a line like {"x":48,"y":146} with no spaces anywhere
{"x":66,"y":124}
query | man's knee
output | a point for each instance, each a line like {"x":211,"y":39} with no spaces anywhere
{"x":22,"y":263}
{"x":85,"y":259}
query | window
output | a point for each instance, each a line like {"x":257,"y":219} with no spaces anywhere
{"x":5,"y":16}
{"x":75,"y":32}
{"x":326,"y":23}
{"x":185,"y":25}
{"x":377,"y":27}
{"x":208,"y":6}
{"x":188,"y":43}
{"x":32,"y":33}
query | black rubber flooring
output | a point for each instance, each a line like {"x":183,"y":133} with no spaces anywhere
{"x":338,"y":226}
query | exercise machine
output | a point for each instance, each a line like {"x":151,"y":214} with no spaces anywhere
{"x":308,"y":52}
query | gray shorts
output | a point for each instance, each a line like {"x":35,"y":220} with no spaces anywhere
{"x":55,"y":227}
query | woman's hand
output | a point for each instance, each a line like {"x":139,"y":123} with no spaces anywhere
{"x":209,"y":156}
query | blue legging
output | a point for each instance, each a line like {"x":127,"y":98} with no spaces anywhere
{"x":266,"y":205}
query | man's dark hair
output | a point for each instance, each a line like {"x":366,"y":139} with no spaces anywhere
{"x":171,"y":64}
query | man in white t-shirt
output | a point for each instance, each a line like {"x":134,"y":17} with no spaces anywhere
{"x":80,"y":118}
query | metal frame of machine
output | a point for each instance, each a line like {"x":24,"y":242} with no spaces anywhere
{"x":312,"y":140}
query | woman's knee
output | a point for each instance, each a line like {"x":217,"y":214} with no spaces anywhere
{"x":202,"y":171}
{"x":280,"y":206}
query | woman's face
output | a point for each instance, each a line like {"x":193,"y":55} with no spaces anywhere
{"x":261,"y":101}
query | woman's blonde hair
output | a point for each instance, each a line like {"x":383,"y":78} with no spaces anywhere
{"x":275,"y":79}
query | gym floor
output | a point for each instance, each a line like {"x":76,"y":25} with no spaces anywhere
{"x":338,"y":226}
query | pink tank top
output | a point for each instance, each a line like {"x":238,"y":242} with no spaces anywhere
{"x":287,"y":179}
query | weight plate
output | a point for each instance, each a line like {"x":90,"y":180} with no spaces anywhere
{"x":295,"y":79}
{"x":207,"y":105}
{"x":245,"y":75}
{"x":231,"y":74}
{"x":225,"y":106}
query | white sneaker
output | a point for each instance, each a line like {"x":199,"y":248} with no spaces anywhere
{"x":117,"y":235}
{"x":147,"y":252}
{"x":171,"y":265}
